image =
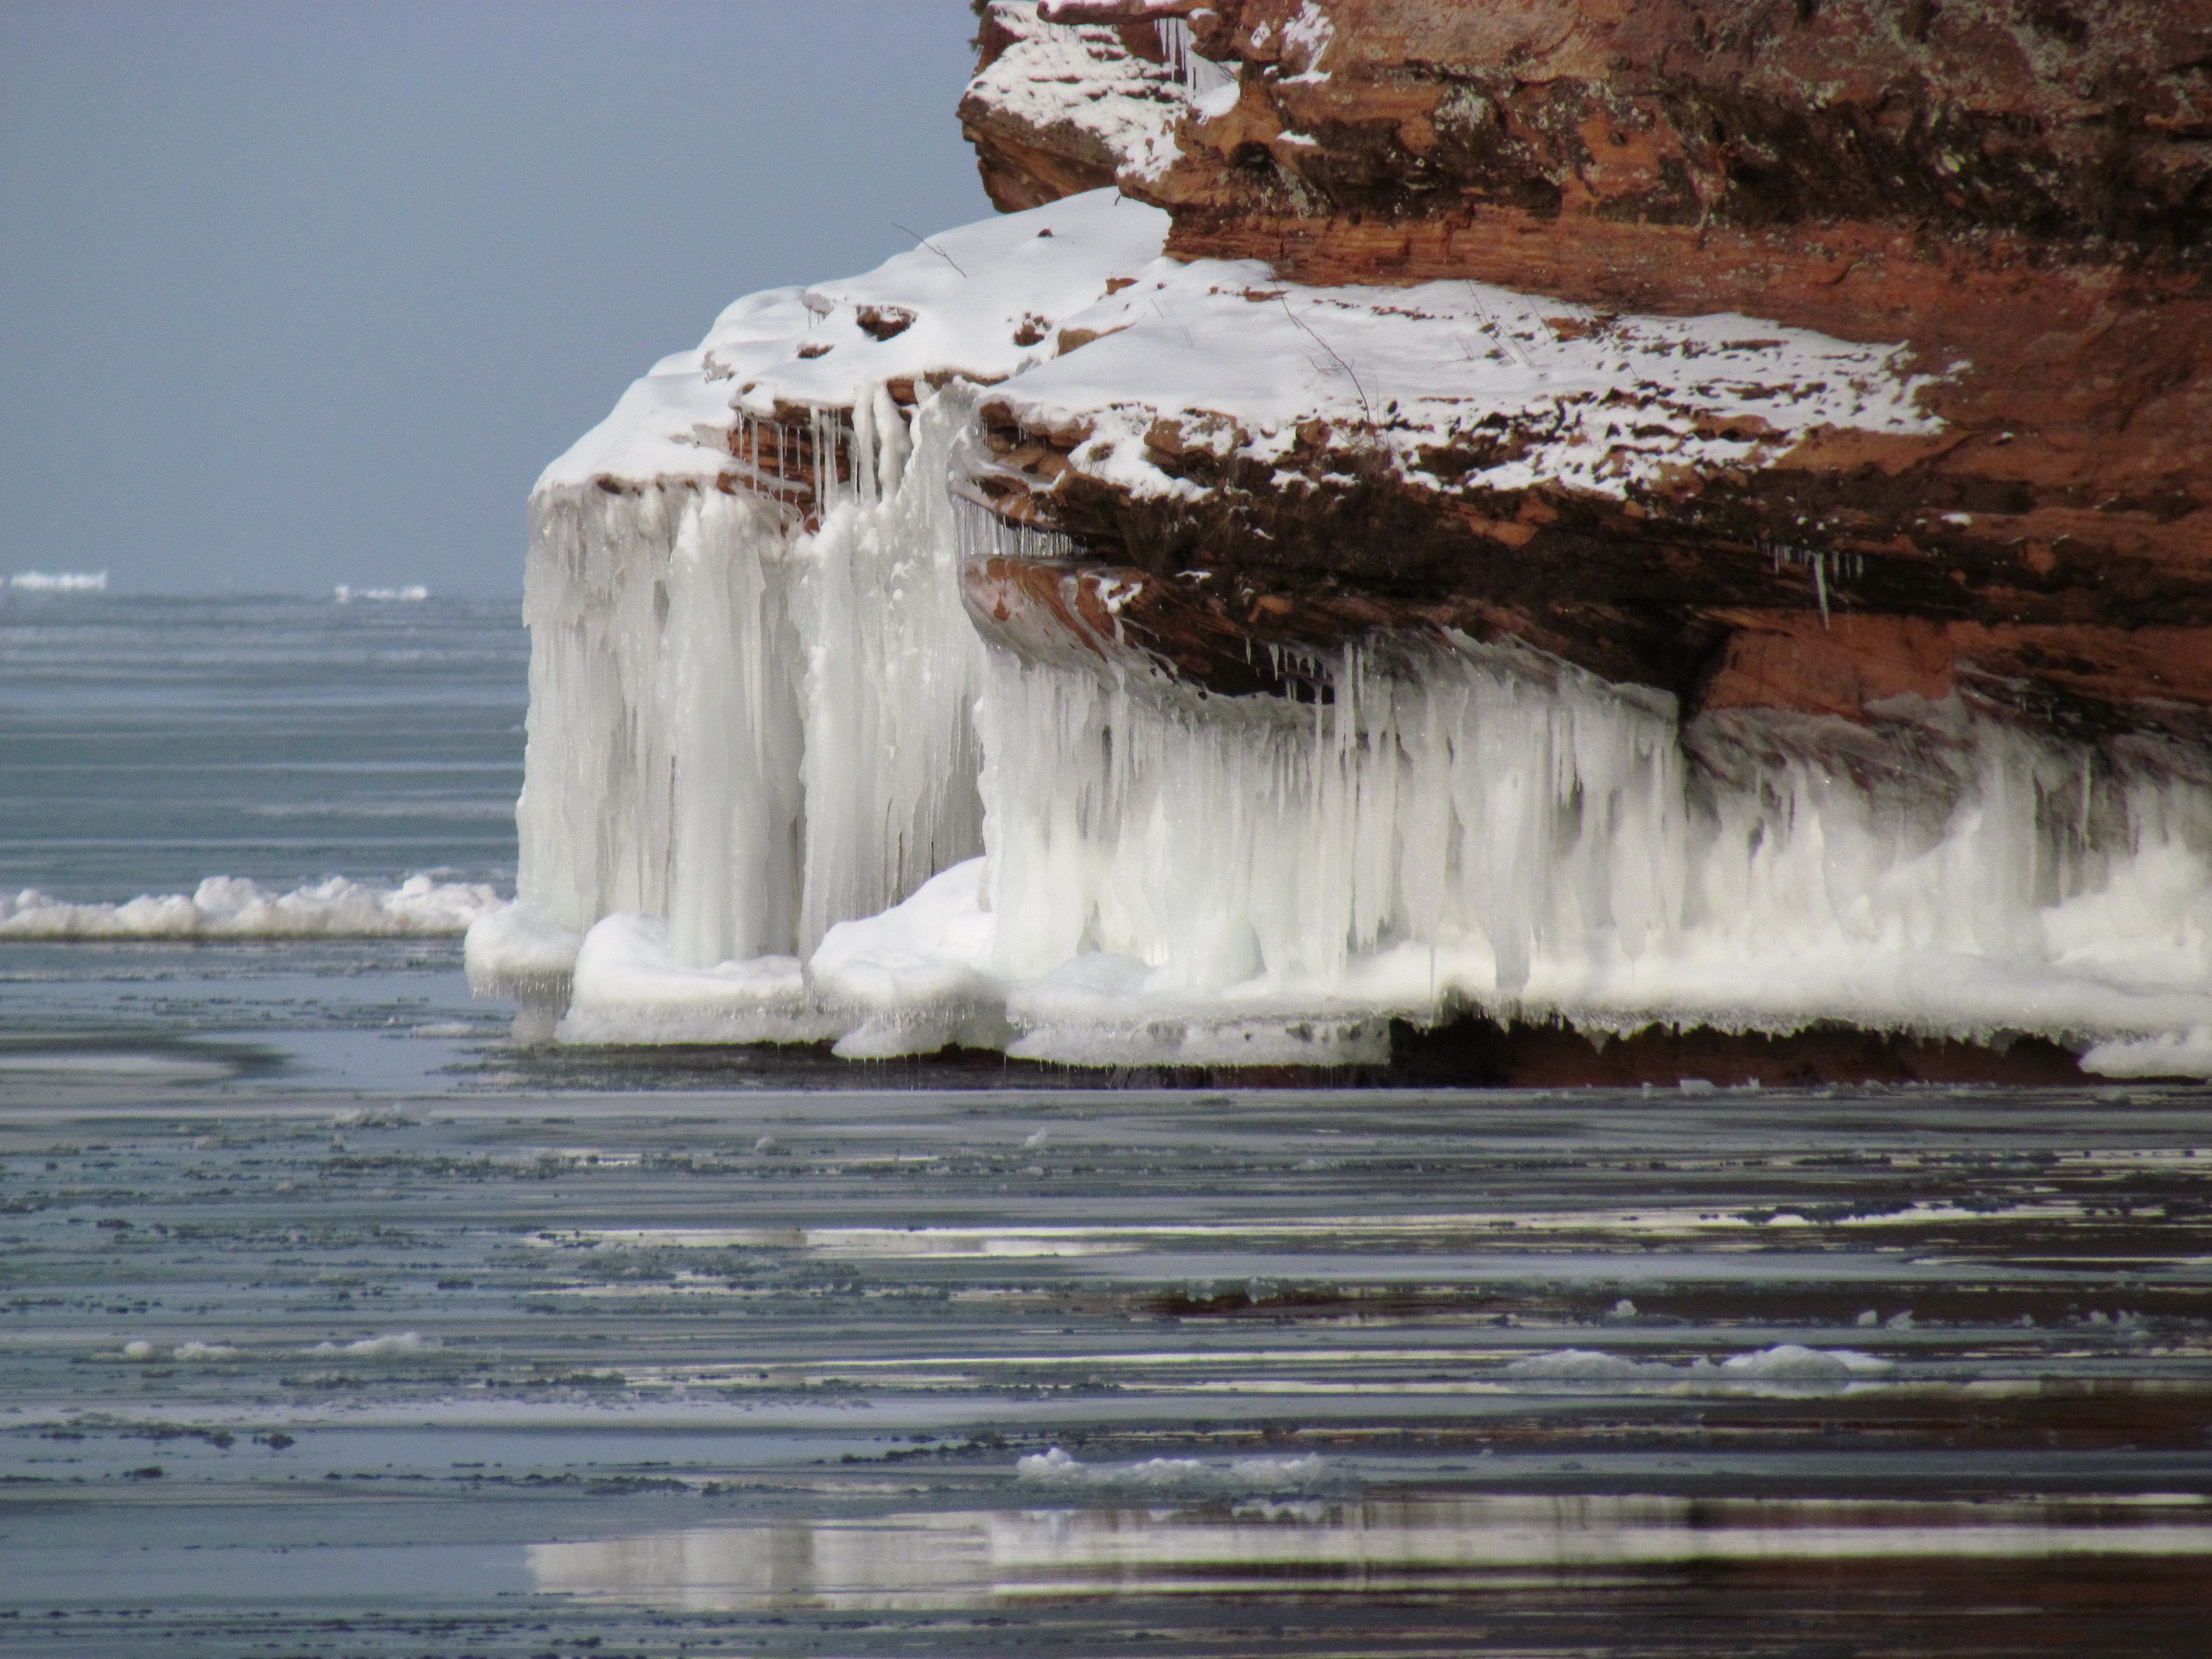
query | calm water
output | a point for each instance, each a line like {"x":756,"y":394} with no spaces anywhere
{"x":332,"y":1323}
{"x":146,"y":743}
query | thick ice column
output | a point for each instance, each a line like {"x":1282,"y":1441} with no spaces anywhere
{"x":597,"y":560}
{"x":729,"y":690}
{"x":892,"y":668}
{"x":661,"y":772}
{"x":750,"y":730}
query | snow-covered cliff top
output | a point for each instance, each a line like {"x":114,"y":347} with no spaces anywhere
{"x":984,"y":302}
{"x":1599,"y":401}
{"x":1071,"y":311}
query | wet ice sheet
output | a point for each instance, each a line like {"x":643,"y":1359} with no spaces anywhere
{"x":1313,"y":1546}
{"x":493,"y":1374}
{"x":110,"y":1020}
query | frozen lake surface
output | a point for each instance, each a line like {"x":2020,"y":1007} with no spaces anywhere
{"x":495,"y":1368}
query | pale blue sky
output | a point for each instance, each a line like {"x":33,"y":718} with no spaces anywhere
{"x":301,"y":292}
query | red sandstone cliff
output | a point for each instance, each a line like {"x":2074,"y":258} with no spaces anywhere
{"x":2021,"y":194}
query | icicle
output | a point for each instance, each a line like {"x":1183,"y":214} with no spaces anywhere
{"x":750,"y":731}
{"x":826,"y":489}
{"x":982,"y":534}
{"x":864,"y":488}
{"x":729,"y":700}
{"x":1198,"y":75}
{"x":892,"y":441}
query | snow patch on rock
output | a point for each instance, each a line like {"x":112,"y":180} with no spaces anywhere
{"x":1425,"y":377}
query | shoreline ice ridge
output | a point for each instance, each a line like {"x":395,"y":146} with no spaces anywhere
{"x":230,"y":907}
{"x":779,"y":788}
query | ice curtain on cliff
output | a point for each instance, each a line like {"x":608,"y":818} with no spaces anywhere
{"x":827,"y":743}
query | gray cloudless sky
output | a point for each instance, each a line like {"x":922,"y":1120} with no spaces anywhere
{"x":301,"y":292}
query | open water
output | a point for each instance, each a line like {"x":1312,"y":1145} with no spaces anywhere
{"x":333,"y":1323}
{"x":148,"y":742}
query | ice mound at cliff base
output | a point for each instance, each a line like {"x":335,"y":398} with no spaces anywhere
{"x":517,"y":950}
{"x":922,"y":975}
{"x":628,"y":988}
{"x":2171,"y":1054}
{"x":917,"y":978}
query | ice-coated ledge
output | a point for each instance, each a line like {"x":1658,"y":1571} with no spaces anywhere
{"x":779,"y":789}
{"x":1247,"y":366}
{"x":1071,"y":314}
{"x":979,"y":303}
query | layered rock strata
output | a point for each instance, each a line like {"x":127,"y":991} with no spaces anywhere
{"x":2015,"y":198}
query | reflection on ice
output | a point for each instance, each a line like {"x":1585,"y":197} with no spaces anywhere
{"x":1653,"y":1218}
{"x":919,"y":1561}
{"x":897,"y":1563}
{"x":1185,"y":1475}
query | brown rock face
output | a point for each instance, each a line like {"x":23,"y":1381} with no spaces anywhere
{"x":1041,"y":148}
{"x":2025,"y":187}
{"x":2020,"y":190}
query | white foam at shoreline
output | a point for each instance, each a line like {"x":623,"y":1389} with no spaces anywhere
{"x":231,"y":906}
{"x":60,"y":581}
